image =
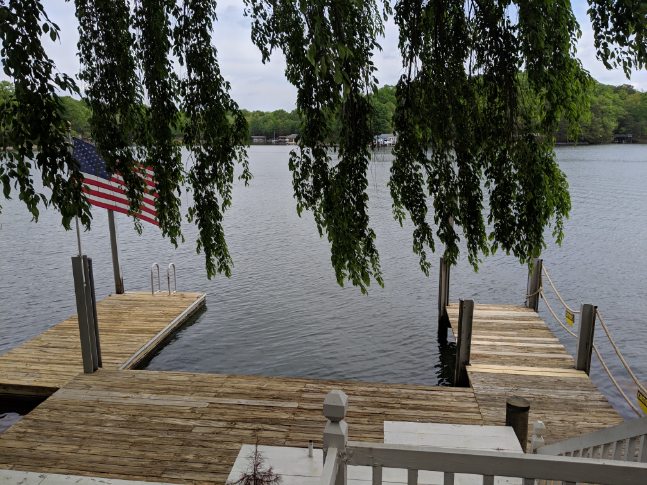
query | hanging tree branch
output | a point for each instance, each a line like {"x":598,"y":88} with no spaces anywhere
{"x":328,"y":46}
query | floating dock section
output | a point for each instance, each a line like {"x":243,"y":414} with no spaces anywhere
{"x":131,"y":326}
{"x":514,"y":353}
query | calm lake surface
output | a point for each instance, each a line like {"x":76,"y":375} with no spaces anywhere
{"x":282,"y":313}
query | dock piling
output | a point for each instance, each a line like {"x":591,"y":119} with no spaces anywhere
{"x":85,"y":313}
{"x":443,"y":301}
{"x":464,"y":342}
{"x":517,"y":410}
{"x":585,"y":338}
{"x":534,"y":284}
{"x":95,"y":319}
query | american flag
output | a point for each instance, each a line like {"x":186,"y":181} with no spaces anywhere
{"x":107,"y":190}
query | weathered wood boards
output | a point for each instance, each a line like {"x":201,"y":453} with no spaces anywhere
{"x":127,"y":322}
{"x":515,"y":353}
{"x":182,"y":427}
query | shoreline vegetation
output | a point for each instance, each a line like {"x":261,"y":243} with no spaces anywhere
{"x":615,"y":112}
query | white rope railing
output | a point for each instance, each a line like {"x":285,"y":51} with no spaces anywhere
{"x":619,"y":354}
{"x":557,"y":319}
{"x":597,"y":353}
{"x":595,"y":348}
{"x":615,"y":382}
{"x":538,"y":292}
{"x":559,"y":296}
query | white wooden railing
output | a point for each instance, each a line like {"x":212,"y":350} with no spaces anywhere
{"x":339,"y":453}
{"x":626,"y":441}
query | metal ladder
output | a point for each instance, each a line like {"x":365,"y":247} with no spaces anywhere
{"x":155,"y":267}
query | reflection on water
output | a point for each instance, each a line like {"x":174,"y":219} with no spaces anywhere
{"x":282,"y":312}
{"x":7,"y":420}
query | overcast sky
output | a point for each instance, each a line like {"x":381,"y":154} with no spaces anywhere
{"x":263,"y":86}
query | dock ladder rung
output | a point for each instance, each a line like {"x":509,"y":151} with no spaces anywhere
{"x":168,"y":278}
{"x":154,"y":267}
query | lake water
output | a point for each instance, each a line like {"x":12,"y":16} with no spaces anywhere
{"x":282,"y":313}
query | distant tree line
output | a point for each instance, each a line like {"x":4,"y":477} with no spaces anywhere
{"x":277,"y":123}
{"x":614,"y":110}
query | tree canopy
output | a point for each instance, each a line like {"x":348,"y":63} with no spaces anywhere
{"x":484,"y":88}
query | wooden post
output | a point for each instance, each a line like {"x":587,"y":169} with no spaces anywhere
{"x":464,"y":343}
{"x":95,"y":319}
{"x":89,"y":313}
{"x":116,"y":269}
{"x":516,"y":415}
{"x":534,"y":284}
{"x":585,"y":338}
{"x":443,"y":301}
{"x":82,"y":313}
{"x":336,"y":430}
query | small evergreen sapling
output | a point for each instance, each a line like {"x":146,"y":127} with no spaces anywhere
{"x":257,"y":473}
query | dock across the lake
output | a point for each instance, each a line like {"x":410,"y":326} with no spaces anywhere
{"x":131,"y":326}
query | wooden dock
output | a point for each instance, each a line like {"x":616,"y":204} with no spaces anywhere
{"x":514,"y":353}
{"x":183,"y":427}
{"x":131,"y":325}
{"x":188,"y":428}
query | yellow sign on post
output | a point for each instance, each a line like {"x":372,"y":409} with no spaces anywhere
{"x":642,"y":400}
{"x":570,"y":317}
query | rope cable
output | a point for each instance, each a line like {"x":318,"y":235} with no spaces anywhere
{"x":615,"y":383}
{"x":619,"y":354}
{"x":552,"y":312}
{"x":597,"y":353}
{"x":559,"y":296}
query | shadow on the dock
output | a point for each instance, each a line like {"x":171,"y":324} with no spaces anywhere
{"x":446,"y":363}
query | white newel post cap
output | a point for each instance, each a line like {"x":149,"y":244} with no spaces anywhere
{"x":335,"y":406}
{"x":336,"y":430}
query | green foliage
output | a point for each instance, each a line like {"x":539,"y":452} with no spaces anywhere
{"x":280,"y":122}
{"x":383,"y":103}
{"x":274,"y":123}
{"x":328,"y":47}
{"x":461,"y":126}
{"x":77,"y":114}
{"x":620,"y":29}
{"x":613,"y":109}
{"x":32,"y":119}
{"x":215,"y":132}
{"x":468,"y":122}
{"x":113,"y":92}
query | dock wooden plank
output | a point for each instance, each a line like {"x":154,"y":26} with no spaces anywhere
{"x":127,"y":323}
{"x":184,"y":427}
{"x":514,"y":353}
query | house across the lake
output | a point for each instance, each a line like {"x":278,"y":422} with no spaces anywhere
{"x":288,"y":140}
{"x":259,"y":139}
{"x":385,"y":139}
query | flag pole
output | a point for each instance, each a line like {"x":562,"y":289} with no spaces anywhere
{"x":116,"y":268}
{"x":78,"y":236}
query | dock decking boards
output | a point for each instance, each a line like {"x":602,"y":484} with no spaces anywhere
{"x":515,"y":353}
{"x":126,"y":323}
{"x":183,"y":427}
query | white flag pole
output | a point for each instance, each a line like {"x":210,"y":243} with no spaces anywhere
{"x":78,"y":235}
